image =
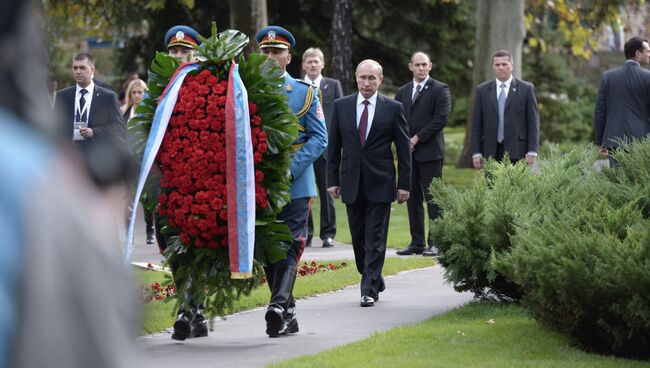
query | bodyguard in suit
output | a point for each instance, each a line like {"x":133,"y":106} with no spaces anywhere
{"x":313,"y":62}
{"x":505,"y":118}
{"x":361,"y":169}
{"x":427,"y":103}
{"x":303,"y":99}
{"x":90,"y":118}
{"x":90,"y":112}
{"x":623,"y":103}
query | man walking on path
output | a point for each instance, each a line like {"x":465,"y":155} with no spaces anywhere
{"x":312,"y":139}
{"x":623,"y":103}
{"x":313,"y":62}
{"x":360,"y":168}
{"x":427,"y":104}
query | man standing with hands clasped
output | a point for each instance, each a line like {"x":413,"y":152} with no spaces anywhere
{"x":427,"y":103}
{"x":505,"y":118}
{"x":360,"y":168}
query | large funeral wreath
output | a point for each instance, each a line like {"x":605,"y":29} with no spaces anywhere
{"x":187,"y":189}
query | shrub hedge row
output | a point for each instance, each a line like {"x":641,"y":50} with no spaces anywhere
{"x":574,"y":244}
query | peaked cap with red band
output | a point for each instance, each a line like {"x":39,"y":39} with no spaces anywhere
{"x":276,"y":37}
{"x":182,"y":36}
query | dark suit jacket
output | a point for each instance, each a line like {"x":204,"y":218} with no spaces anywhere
{"x":623,"y":105}
{"x":521,"y":120}
{"x":374,"y":161}
{"x":426,"y":117}
{"x":104,"y":116}
{"x":330,"y":90}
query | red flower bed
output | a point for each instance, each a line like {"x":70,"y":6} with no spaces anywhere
{"x":157,"y":292}
{"x":313,"y":268}
{"x":193,"y":163}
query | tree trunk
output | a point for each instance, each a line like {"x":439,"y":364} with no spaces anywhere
{"x":342,"y":68}
{"x":248,"y":16}
{"x":499,"y":26}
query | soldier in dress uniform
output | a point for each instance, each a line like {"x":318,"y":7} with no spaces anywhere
{"x":275,"y":42}
{"x":180,"y":41}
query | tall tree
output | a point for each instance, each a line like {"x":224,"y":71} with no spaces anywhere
{"x":248,"y":16}
{"x":341,"y":41}
{"x":499,"y":26}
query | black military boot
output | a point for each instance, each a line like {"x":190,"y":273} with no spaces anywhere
{"x":290,"y":324}
{"x":183,"y":325}
{"x":283,"y":280}
{"x":199,"y":325}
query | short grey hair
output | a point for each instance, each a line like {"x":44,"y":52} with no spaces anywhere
{"x":314,"y":51}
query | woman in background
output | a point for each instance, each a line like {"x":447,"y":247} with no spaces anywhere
{"x":134,"y":94}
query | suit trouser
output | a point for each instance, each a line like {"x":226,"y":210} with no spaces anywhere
{"x":422,"y":173}
{"x":327,"y":212}
{"x":369,"y":229}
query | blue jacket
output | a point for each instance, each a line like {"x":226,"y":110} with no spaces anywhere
{"x":312,"y":135}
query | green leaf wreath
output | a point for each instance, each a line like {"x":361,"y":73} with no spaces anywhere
{"x":203,"y":272}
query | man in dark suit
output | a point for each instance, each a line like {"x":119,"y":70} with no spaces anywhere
{"x":361,"y":168}
{"x":623,"y":103}
{"x":313,"y":62}
{"x":505,"y":118}
{"x":427,"y":103}
{"x":90,"y":113}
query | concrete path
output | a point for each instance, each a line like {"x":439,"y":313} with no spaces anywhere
{"x":326,"y":321}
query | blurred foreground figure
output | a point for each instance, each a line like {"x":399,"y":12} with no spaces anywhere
{"x":65,"y":299}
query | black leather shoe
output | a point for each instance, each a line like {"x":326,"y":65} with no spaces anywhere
{"x":328,"y":243}
{"x":410,"y":250}
{"x":431,"y":251}
{"x":274,"y":320}
{"x":182,"y":326}
{"x":367,"y":301}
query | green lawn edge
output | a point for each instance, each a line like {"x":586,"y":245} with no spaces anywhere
{"x":158,"y":316}
{"x":479,"y":334}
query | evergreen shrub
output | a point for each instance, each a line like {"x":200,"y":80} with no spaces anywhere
{"x":583,"y":261}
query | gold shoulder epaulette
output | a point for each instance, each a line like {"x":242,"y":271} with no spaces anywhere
{"x":309,"y":97}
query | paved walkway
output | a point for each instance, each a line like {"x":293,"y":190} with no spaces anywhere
{"x":326,"y":321}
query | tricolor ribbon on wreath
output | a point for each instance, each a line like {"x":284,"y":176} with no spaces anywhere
{"x":240,"y":173}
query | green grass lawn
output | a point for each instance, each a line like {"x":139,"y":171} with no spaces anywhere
{"x":464,"y":338}
{"x":159,"y":315}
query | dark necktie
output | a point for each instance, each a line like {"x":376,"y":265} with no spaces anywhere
{"x":363,"y":123}
{"x":417,"y":93}
{"x":82,"y":102}
{"x":502,"y":107}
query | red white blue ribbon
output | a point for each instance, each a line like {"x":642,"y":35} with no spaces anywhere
{"x":240,"y":178}
{"x":159,"y":124}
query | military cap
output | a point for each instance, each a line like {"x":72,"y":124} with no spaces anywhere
{"x":276,"y":37}
{"x":182,"y":36}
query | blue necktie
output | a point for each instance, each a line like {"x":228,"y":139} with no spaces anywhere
{"x":502,"y":107}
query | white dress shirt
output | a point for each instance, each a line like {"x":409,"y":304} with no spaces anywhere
{"x":314,"y":82}
{"x":371,"y":110}
{"x":88,"y":97}
{"x":415,"y":86}
{"x":76,"y":135}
